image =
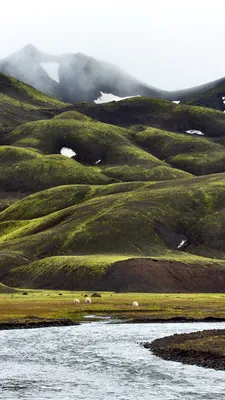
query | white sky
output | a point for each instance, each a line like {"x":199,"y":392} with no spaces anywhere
{"x":169,"y":44}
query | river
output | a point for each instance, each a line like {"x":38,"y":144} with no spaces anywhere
{"x":101,"y":361}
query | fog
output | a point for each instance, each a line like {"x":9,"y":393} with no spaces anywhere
{"x":168,"y":44}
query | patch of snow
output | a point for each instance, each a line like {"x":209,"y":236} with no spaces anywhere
{"x":98,"y":161}
{"x":52,"y":69}
{"x":176,"y":101}
{"x":67,"y":152}
{"x":194,"y":131}
{"x":181,"y":244}
{"x":223,"y":98}
{"x":108,"y":97}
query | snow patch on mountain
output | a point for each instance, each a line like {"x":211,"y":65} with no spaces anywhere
{"x":65,"y":151}
{"x":195,"y":132}
{"x":108,"y":97}
{"x":182,"y":243}
{"x":52,"y":69}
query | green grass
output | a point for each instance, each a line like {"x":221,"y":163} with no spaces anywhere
{"x":74,"y":115}
{"x":26,"y":170}
{"x":212,"y":344}
{"x":200,"y":163}
{"x":121,"y":159}
{"x":196,"y":155}
{"x":143,"y":111}
{"x":97,"y":224}
{"x":48,"y":304}
{"x":5,"y":289}
{"x":90,"y":140}
{"x":129,"y":220}
{"x":167,"y":144}
{"x":22,"y":92}
{"x":128,"y":173}
{"x":20,"y":103}
{"x":140,"y":201}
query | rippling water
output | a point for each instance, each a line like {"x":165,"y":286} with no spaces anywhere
{"x":100,"y":361}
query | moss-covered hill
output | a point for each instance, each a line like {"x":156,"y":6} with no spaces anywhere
{"x":145,"y":111}
{"x":20,"y":103}
{"x":140,"y":206}
{"x":212,"y":97}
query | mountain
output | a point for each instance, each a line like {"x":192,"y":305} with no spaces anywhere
{"x":210,"y":96}
{"x":138,"y":206}
{"x":25,"y":65}
{"x":72,"y":77}
{"x":78,"y":77}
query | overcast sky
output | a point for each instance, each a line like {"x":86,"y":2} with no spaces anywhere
{"x":170,"y":44}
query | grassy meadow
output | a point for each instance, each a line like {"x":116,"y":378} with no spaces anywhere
{"x":59,"y":304}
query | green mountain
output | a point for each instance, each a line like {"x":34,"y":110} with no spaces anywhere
{"x":139,"y":206}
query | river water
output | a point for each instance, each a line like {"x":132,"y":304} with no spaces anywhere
{"x":101,"y":361}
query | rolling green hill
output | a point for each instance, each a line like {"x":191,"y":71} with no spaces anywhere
{"x":129,"y":204}
{"x":20,"y":103}
{"x":140,"y":112}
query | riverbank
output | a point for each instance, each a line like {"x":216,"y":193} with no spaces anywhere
{"x":205,"y":348}
{"x":36,"y":323}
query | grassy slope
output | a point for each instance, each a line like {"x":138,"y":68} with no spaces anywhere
{"x":90,"y":140}
{"x":123,"y":220}
{"x":25,"y":93}
{"x":209,"y":98}
{"x":5,"y":289}
{"x":142,"y":111}
{"x":120,"y":156}
{"x":27,"y":170}
{"x":121,"y":273}
{"x":104,"y":222}
{"x":194,"y":154}
{"x":20,"y":103}
{"x":96,"y":218}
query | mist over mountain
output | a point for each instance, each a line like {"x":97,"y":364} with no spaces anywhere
{"x":79,"y":77}
{"x":72,"y":77}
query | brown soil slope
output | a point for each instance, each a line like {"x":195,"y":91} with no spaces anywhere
{"x":140,"y":275}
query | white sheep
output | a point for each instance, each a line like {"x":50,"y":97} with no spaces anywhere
{"x":76,"y":301}
{"x":87,"y":300}
{"x":135,"y":304}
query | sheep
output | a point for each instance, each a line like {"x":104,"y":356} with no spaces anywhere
{"x":87,"y":300}
{"x":76,"y":301}
{"x":135,"y":304}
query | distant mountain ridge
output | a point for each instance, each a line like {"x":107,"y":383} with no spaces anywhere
{"x":78,"y":77}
